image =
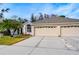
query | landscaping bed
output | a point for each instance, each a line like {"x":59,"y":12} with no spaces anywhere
{"x":7,"y":40}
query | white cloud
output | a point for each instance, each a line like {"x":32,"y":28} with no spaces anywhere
{"x":74,"y":14}
{"x":65,"y":10}
{"x":45,"y":8}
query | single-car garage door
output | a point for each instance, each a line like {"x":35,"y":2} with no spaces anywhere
{"x":70,"y":31}
{"x":46,"y":31}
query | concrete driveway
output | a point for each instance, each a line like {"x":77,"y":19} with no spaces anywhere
{"x":40,"y":46}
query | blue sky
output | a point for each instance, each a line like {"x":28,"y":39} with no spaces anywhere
{"x":25,"y":10}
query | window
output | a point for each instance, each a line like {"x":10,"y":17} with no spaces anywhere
{"x":54,"y":27}
{"x":69,"y":26}
{"x":28,"y":28}
{"x":51,"y":26}
{"x":45,"y":27}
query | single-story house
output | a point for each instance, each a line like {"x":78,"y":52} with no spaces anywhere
{"x":54,"y":26}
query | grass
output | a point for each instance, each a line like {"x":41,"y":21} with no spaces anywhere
{"x":7,"y":40}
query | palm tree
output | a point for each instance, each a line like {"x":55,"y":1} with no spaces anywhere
{"x":3,"y":11}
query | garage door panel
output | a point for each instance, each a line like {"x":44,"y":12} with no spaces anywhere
{"x":65,"y":31}
{"x":46,"y":32}
{"x":72,"y":31}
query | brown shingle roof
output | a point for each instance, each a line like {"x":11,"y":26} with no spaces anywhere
{"x":56,"y":19}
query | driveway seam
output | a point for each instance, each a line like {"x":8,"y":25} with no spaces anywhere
{"x":36,"y":46}
{"x":39,"y":42}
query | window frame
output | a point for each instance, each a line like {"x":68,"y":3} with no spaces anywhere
{"x":29,"y":28}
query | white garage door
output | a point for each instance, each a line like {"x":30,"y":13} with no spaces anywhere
{"x":46,"y":31}
{"x":70,"y":31}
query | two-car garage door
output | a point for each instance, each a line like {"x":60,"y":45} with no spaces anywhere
{"x":46,"y":31}
{"x":55,"y":31}
{"x":70,"y":31}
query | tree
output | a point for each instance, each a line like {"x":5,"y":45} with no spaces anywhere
{"x":25,"y":20}
{"x":46,"y":16}
{"x":9,"y":24}
{"x":7,"y":9}
{"x":41,"y":16}
{"x":1,"y":15}
{"x":3,"y":11}
{"x":14,"y":17}
{"x":21,"y":20}
{"x":53,"y":15}
{"x":33,"y":18}
{"x":62,"y":16}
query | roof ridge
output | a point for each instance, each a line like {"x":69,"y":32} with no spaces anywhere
{"x":57,"y":19}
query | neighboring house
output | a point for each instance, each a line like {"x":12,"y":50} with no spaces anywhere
{"x":54,"y":26}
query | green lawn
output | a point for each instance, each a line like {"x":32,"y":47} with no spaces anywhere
{"x":7,"y":40}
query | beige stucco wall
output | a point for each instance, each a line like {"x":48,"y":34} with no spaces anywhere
{"x":24,"y":29}
{"x":68,"y":31}
{"x":33,"y":30}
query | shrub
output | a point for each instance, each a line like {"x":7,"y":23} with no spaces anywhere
{"x":22,"y":36}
